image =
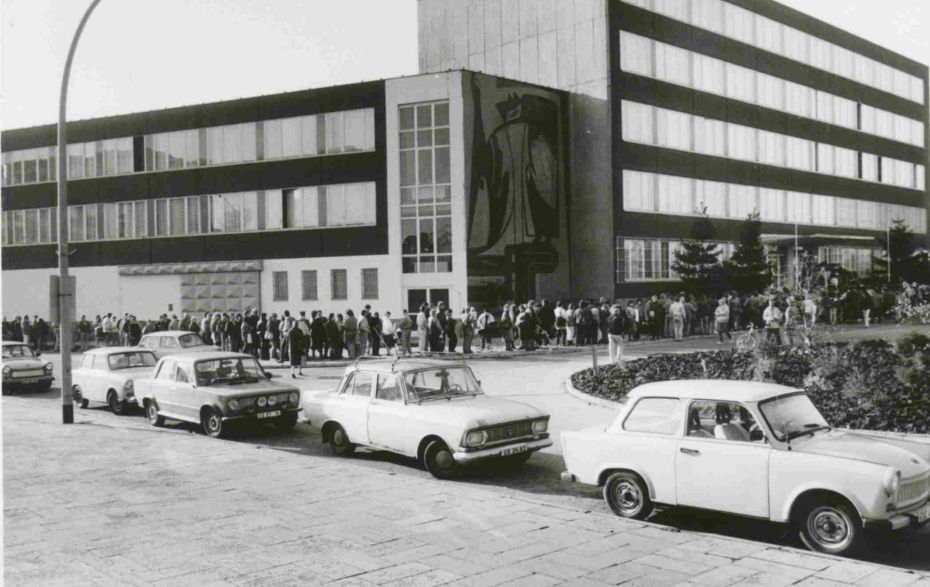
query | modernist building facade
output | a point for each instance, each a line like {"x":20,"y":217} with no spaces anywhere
{"x":547,"y":148}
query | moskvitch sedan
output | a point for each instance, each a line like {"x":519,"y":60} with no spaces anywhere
{"x":434,"y":411}
{"x":215,"y":388}
{"x":23,"y":369}
{"x":108,"y":375}
{"x":172,"y":342}
{"x":752,"y":449}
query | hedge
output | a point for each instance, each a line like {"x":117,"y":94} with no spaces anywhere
{"x":873,"y":384}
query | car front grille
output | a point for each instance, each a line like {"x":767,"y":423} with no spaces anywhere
{"x":29,"y":373}
{"x":912,"y":490}
{"x":509,"y":431}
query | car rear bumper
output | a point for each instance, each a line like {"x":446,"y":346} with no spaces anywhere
{"x":502,"y":450}
{"x":254,"y":416}
{"x":915,"y":518}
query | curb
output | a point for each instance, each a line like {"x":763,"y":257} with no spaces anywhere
{"x":588,"y":398}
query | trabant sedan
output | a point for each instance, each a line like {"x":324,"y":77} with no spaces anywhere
{"x":434,"y":411}
{"x":108,"y":375}
{"x":215,"y":388}
{"x":752,"y":449}
{"x":170,"y":342}
{"x":23,"y":369}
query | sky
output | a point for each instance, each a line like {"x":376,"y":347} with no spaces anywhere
{"x":138,"y":55}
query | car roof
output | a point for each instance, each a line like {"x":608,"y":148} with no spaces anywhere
{"x":13,"y":343}
{"x":713,"y":389}
{"x":401,"y":366}
{"x":207,"y":355}
{"x":107,"y":350}
{"x":169,"y":333}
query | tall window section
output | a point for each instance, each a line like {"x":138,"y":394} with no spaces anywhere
{"x":426,"y":191}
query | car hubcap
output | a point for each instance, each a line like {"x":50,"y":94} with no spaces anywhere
{"x":829,"y":527}
{"x":444,"y":460}
{"x":339,"y":438}
{"x":628,"y":496}
{"x":153,"y":412}
{"x":213,"y":423}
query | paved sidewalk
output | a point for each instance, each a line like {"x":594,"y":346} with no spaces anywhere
{"x":113,"y":501}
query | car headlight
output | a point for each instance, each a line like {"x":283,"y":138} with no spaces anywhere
{"x":48,"y":368}
{"x":261,"y":402}
{"x":7,"y":371}
{"x":272,"y":400}
{"x":233,"y":404}
{"x":892,"y":481}
{"x":294,"y":397}
{"x":476,"y":438}
{"x":540,"y":426}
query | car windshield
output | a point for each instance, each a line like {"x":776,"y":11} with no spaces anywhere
{"x":189,"y":340}
{"x":795,"y":414}
{"x":231,"y":370}
{"x":129,"y":360}
{"x":16,"y":350}
{"x":441,"y":382}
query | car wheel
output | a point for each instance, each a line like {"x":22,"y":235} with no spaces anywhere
{"x":212,"y":423}
{"x":830,"y":526}
{"x":117,"y":406}
{"x":78,"y":398}
{"x":627,"y":496}
{"x":151,"y":412}
{"x":286,"y":423}
{"x":339,"y":442}
{"x":438,"y":460}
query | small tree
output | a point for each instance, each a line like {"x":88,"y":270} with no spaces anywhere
{"x":907,"y":262}
{"x":748,"y":270}
{"x":697,"y":260}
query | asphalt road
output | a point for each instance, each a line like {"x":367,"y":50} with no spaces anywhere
{"x":539,"y":381}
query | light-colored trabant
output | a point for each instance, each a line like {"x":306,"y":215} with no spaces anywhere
{"x":23,"y":369}
{"x":214,"y":388}
{"x":752,"y":449}
{"x":108,"y":375}
{"x":171,"y":342}
{"x":434,"y":411}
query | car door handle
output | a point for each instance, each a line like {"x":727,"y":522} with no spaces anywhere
{"x":690,"y":451}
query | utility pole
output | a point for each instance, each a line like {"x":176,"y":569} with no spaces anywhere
{"x":64,"y":285}
{"x":888,"y":252}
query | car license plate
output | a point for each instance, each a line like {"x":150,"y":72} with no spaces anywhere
{"x":30,"y":380}
{"x":271,"y":414}
{"x":923,"y":514}
{"x":513,"y":450}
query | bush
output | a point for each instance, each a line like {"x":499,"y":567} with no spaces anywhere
{"x":871,"y":384}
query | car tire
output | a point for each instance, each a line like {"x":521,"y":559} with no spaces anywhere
{"x":339,"y":442}
{"x":117,"y":406}
{"x":286,"y":422}
{"x":151,"y":412}
{"x":831,"y":526}
{"x":438,"y":460}
{"x":627,"y":496}
{"x":78,"y":398}
{"x":212,"y":423}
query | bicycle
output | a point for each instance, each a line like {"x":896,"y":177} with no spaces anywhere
{"x":748,"y":341}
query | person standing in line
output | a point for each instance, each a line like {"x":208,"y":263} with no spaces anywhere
{"x":423,"y":327}
{"x":468,"y":329}
{"x":333,"y":338}
{"x":569,"y":316}
{"x":294,"y":341}
{"x":434,"y":331}
{"x":452,"y":327}
{"x":374,"y":335}
{"x":245,"y":334}
{"x":405,"y":326}
{"x":274,"y":328}
{"x":364,"y":334}
{"x":772,"y":317}
{"x":483,"y":328}
{"x":506,"y":328}
{"x":722,"y":320}
{"x":617,"y":326}
{"x":387,"y":334}
{"x":350,"y":334}
{"x":676,"y":311}
{"x":865,"y":304}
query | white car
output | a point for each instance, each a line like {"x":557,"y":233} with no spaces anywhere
{"x":108,"y":375}
{"x":433,"y":411}
{"x":753,"y":449}
{"x":170,"y":342}
{"x":23,"y":369}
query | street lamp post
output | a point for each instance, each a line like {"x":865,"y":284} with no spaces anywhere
{"x":64,"y":286}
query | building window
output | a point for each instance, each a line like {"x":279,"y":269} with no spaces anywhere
{"x":279,"y":286}
{"x":340,"y":287}
{"x":308,"y":285}
{"x":425,"y":187}
{"x":369,"y":284}
{"x":645,"y":260}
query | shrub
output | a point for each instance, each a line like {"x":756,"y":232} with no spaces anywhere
{"x":871,"y":384}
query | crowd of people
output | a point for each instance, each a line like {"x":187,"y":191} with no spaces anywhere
{"x":438,"y":328}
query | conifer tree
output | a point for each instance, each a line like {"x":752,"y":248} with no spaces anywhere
{"x":697,"y":260}
{"x":748,"y":270}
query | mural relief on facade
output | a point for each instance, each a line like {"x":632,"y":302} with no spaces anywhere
{"x":516,"y":191}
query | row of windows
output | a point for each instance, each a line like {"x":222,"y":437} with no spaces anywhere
{"x":339,"y":285}
{"x":658,"y":60}
{"x":672,"y":129}
{"x":652,"y":259}
{"x":855,"y":259}
{"x":742,"y":25}
{"x":351,"y":204}
{"x":426,"y":191}
{"x":684,"y":196}
{"x":302,"y":136}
